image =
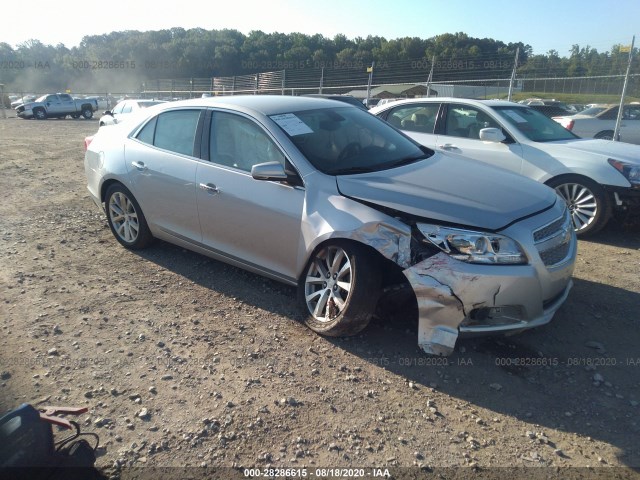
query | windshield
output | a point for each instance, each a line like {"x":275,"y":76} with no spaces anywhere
{"x":148,"y":104}
{"x":348,"y":140}
{"x":533,"y":124}
{"x":593,"y":111}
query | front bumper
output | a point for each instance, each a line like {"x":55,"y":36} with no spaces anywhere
{"x":456,"y":298}
{"x":24,"y":112}
{"x":625,"y":198}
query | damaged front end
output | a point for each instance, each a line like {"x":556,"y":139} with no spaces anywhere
{"x":470,"y":282}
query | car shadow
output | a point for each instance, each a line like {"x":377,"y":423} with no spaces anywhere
{"x":578,"y":374}
{"x":624,"y":232}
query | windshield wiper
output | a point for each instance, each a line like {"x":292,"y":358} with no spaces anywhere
{"x":407,"y":161}
{"x":350,"y":170}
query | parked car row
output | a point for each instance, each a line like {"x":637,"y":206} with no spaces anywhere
{"x":600,"y":122}
{"x":329,"y":198}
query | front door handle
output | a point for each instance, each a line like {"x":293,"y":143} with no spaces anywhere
{"x":210,"y":188}
{"x":448,"y":146}
{"x":139,"y":165}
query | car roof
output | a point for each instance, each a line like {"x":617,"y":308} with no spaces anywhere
{"x":264,"y":104}
{"x":468,"y":101}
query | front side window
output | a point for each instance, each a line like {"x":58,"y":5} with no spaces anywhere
{"x":631,"y":113}
{"x":240,"y":143}
{"x":126,"y":108}
{"x":466,"y":121}
{"x":414,"y":118}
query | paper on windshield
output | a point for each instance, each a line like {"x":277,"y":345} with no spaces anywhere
{"x":291,"y":124}
{"x":515,"y":116}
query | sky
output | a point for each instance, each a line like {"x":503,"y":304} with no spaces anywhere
{"x":543,"y":24}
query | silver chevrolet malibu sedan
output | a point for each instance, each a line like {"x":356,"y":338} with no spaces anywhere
{"x":323,"y":195}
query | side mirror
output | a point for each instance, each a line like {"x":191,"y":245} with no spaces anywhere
{"x":108,"y":112}
{"x":269,"y":171}
{"x":492,"y":135}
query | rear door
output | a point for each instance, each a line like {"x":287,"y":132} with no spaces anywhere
{"x":162,"y":168}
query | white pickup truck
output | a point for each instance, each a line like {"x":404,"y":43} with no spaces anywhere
{"x":57,"y":105}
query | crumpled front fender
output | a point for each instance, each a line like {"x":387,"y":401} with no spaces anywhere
{"x":440,"y":311}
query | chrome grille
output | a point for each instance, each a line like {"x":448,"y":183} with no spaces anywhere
{"x":553,"y":241}
{"x":548,"y":231}
{"x":555,"y":255}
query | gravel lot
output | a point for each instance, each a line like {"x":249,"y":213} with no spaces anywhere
{"x":185,"y":361}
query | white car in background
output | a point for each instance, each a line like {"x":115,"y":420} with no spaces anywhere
{"x":103,"y":102}
{"x":593,"y":176}
{"x":125,"y":108}
{"x":603,"y":124}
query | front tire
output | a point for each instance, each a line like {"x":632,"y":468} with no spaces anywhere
{"x":587,"y":201}
{"x":126,"y":220}
{"x":339,"y":289}
{"x":40,"y":114}
{"x":606,"y":135}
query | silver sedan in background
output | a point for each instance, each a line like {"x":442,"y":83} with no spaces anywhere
{"x":322,"y":195}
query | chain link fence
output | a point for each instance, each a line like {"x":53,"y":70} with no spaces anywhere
{"x":488,"y":77}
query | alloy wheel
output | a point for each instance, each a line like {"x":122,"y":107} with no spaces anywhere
{"x":124,"y":217}
{"x":581,"y":202}
{"x":328,"y":283}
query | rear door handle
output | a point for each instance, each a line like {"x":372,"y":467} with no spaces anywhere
{"x":209,"y":188}
{"x":139,"y":165}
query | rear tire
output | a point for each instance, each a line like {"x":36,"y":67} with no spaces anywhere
{"x":339,"y":289}
{"x":588,"y":203}
{"x":606,"y":135}
{"x":87,"y":113}
{"x":126,"y":220}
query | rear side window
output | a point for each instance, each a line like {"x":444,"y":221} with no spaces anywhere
{"x":146,"y":134}
{"x":174,"y":131}
{"x":415,"y":117}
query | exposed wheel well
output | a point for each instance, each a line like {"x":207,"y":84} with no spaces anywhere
{"x":105,"y":187}
{"x":566,"y":176}
{"x":391,"y":271}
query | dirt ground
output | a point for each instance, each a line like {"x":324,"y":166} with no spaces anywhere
{"x":187,"y":362}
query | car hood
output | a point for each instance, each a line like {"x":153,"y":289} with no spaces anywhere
{"x":604,"y":148}
{"x":451,"y":189}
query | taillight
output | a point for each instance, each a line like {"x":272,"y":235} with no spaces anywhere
{"x":87,"y":142}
